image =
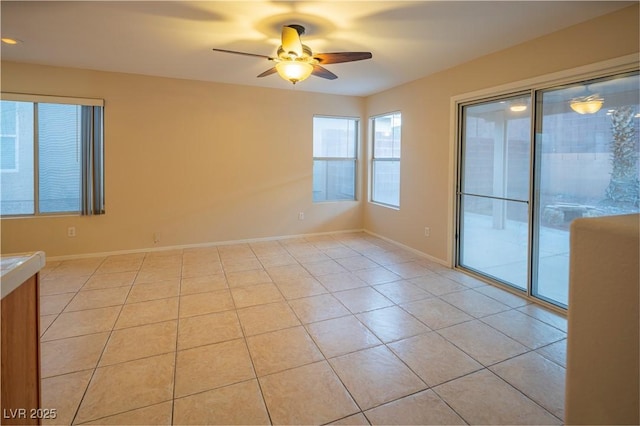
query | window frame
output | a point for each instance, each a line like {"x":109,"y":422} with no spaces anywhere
{"x":92,"y":175}
{"x":16,"y":148}
{"x":354,"y":159}
{"x":374,"y":159}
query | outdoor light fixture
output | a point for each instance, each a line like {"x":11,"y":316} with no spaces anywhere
{"x":587,"y":104}
{"x":294,"y":70}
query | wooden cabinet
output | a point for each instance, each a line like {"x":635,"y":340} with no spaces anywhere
{"x":20,"y":352}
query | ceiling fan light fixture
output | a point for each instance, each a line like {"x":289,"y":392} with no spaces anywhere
{"x":518,"y":107}
{"x":10,"y":40}
{"x":586,"y":104}
{"x":296,"y":62}
{"x":294,"y":71}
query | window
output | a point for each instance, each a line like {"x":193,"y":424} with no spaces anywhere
{"x":385,"y":163}
{"x":53,"y":149}
{"x":335,"y":142}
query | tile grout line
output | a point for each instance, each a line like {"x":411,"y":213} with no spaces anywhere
{"x":175,"y":356}
{"x":325,"y":359}
{"x":383,"y":343}
{"x":524,"y":394}
{"x":488,"y":366}
{"x":246,"y":345}
{"x":106,"y":343}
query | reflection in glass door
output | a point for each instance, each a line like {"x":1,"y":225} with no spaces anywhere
{"x":587,"y":147}
{"x":494,"y":189}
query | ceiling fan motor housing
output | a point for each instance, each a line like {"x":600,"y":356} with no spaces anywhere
{"x":306,"y":54}
{"x":299,"y":28}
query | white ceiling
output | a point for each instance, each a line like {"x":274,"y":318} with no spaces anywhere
{"x":408,"y":40}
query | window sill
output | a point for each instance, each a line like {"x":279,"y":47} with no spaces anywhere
{"x":388,"y":206}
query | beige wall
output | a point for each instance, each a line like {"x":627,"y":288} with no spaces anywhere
{"x":427,"y":154}
{"x":197,"y":162}
{"x":603,"y":340}
{"x":203,"y":162}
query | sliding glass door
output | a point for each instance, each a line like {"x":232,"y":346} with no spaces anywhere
{"x":518,"y":192}
{"x":587,"y":166}
{"x":494,"y":189}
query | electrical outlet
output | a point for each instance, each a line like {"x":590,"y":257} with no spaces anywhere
{"x":427,"y":231}
{"x":71,"y":231}
{"x":301,"y":216}
{"x":156,"y":237}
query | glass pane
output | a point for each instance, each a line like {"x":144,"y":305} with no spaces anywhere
{"x":386,"y":182}
{"x":8,"y":153}
{"x":334,"y":137}
{"x":387,"y":135}
{"x":496,"y":148}
{"x":588,"y":166}
{"x":17,"y":186}
{"x":59,"y":157}
{"x":494,"y":231}
{"x":9,"y":117}
{"x":494,"y":238}
{"x":334,"y":180}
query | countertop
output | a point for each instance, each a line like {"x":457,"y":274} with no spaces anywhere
{"x":17,"y":268}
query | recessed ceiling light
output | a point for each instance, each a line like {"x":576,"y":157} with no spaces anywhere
{"x":9,"y":40}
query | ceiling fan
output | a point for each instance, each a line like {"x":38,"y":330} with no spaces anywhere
{"x":295,"y":61}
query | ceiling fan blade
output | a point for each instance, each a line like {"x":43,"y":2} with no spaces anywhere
{"x":291,"y":41}
{"x":268,"y":72}
{"x":319,"y":71}
{"x":242,"y":53}
{"x":336,"y":58}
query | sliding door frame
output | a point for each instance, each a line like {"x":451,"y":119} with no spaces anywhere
{"x":619,"y":65}
{"x":460,"y":193}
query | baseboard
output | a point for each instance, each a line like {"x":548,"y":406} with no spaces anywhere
{"x":246,"y":241}
{"x":198,"y":245}
{"x":411,"y":249}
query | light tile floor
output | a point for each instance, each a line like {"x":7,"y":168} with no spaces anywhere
{"x":344,"y":329}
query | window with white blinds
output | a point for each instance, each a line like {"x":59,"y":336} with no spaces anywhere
{"x":385,"y":161}
{"x":335,"y":147}
{"x":51,"y":156}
